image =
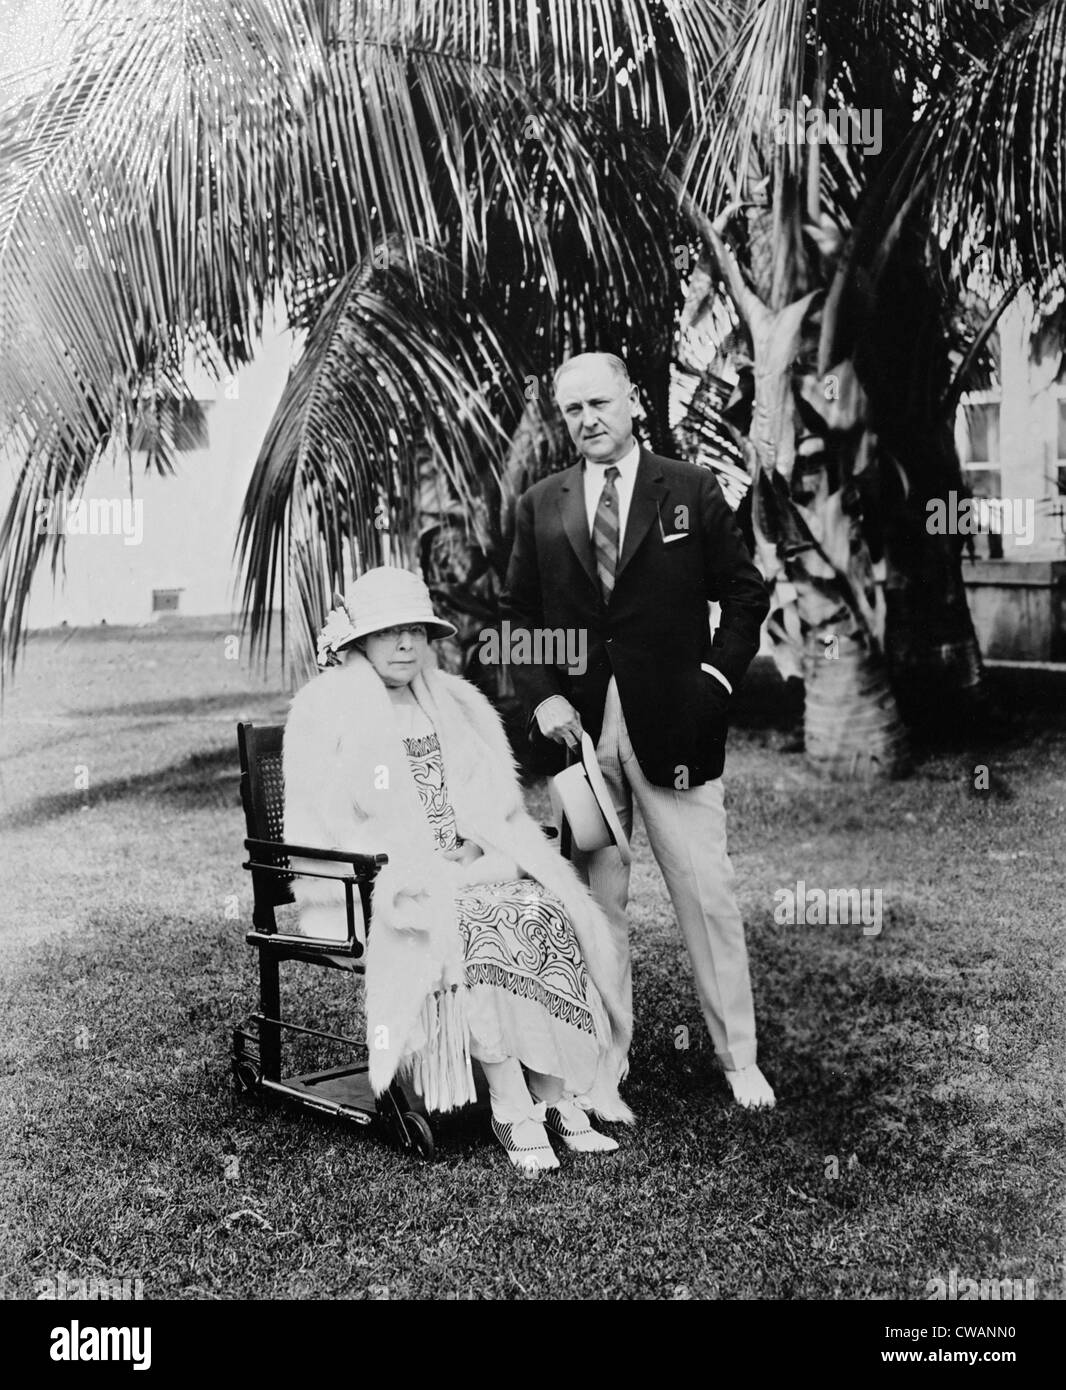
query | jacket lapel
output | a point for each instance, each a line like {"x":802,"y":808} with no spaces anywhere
{"x":575,"y":519}
{"x":648,"y":493}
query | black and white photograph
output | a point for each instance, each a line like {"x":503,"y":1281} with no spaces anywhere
{"x":532,"y":667}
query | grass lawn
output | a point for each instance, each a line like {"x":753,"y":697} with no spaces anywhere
{"x":919,"y":1125}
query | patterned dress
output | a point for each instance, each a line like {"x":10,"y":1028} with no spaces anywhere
{"x":530,"y":994}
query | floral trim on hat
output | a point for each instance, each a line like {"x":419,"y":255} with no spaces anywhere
{"x":338,"y":632}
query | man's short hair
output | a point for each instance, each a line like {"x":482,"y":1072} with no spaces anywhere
{"x":579,"y":359}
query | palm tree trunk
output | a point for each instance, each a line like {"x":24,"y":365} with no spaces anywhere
{"x":929,"y":637}
{"x":932,"y":649}
{"x":852,"y":722}
{"x":852,"y":728}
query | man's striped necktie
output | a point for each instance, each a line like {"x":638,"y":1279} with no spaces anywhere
{"x":605,"y":533}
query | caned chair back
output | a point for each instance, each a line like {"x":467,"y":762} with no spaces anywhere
{"x":263,"y":798}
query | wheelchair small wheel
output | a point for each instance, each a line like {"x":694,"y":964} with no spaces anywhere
{"x":421,"y":1135}
{"x":247,"y":1076}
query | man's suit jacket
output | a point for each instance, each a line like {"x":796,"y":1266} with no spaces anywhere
{"x":681,"y":548}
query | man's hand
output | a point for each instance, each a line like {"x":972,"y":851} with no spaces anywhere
{"x":558,"y":720}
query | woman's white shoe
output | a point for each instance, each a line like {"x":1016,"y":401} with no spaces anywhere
{"x":526,"y":1142}
{"x":572,"y":1125}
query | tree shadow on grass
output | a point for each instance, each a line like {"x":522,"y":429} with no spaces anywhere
{"x":199,"y":782}
{"x":269,"y":707}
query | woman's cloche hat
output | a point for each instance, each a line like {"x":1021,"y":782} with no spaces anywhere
{"x":580,"y":794}
{"x":380,"y":598}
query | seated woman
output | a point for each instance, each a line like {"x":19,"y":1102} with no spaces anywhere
{"x":483,"y":941}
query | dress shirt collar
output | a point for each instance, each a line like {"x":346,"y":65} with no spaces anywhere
{"x":626,"y":465}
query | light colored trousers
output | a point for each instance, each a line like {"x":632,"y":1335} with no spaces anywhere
{"x":687,"y":833}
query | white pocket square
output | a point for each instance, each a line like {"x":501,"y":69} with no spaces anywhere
{"x":677,"y":536}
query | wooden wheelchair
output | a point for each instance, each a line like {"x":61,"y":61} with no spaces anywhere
{"x":343,"y":1092}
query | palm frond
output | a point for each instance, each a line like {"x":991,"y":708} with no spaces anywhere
{"x":768,"y":60}
{"x":995,"y":150}
{"x":191,"y":160}
{"x":703,"y":433}
{"x":51,"y":476}
{"x":388,"y":369}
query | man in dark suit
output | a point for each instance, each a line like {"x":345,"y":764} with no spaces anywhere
{"x":626,"y":549}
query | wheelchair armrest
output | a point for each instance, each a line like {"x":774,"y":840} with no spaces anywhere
{"x":364,"y":868}
{"x":363,"y":865}
{"x":354,"y":879}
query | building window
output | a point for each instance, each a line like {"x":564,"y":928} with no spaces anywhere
{"x":165,"y":600}
{"x":981,"y":462}
{"x":977,"y":426}
{"x":1058,"y":479}
{"x":977,"y":438}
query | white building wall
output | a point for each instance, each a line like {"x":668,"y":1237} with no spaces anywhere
{"x":1028,"y":403}
{"x":189,"y":520}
